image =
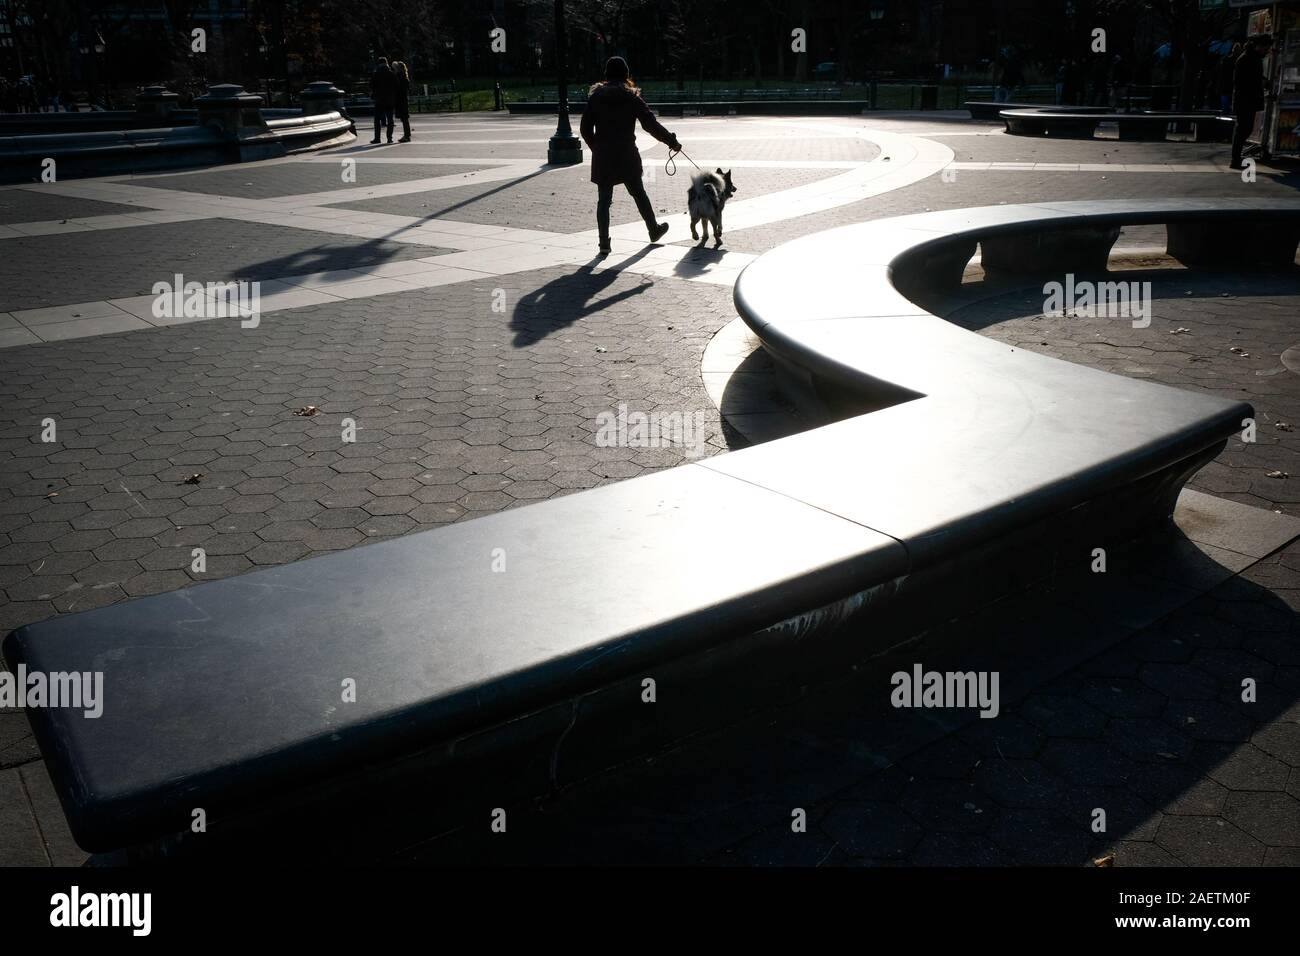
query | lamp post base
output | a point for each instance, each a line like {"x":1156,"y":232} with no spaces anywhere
{"x":564,"y":150}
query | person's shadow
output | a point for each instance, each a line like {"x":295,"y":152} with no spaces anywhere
{"x":561,"y":302}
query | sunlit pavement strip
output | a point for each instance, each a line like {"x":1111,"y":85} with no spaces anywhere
{"x":483,"y":250}
{"x":1097,"y":167}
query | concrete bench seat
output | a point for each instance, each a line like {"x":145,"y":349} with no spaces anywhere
{"x":1141,"y":127}
{"x":991,"y":109}
{"x":977,"y":461}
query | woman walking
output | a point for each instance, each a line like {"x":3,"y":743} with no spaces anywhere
{"x":613,"y":109}
{"x":401,"y":102}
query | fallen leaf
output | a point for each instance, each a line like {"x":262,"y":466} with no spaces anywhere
{"x":307,"y":411}
{"x":1178,"y":331}
{"x":1107,"y":860}
{"x":1282,"y":426}
{"x":1277,"y":474}
{"x":193,"y":479}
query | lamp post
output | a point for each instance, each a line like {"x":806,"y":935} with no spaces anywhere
{"x":101,"y":69}
{"x":564,"y":149}
{"x":89,"y":68}
{"x":264,"y":49}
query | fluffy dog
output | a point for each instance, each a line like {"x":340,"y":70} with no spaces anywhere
{"x":705,"y":200}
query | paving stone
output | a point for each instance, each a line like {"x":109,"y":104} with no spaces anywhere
{"x":949,"y":807}
{"x":873,"y":830}
{"x":947,"y":757}
{"x":1147,"y":739}
{"x":1207,"y":720}
{"x":779,"y":846}
{"x":59,"y":845}
{"x":1018,"y":783}
{"x":20,"y":837}
{"x":1208,"y":841}
{"x":1136,"y":853}
{"x":1041,"y":838}
{"x":1271,"y":818}
{"x":1249,"y":768}
{"x":17,"y":745}
{"x":1280,"y":739}
{"x":1123,"y":697}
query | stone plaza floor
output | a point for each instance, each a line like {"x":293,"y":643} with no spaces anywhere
{"x":445,"y":296}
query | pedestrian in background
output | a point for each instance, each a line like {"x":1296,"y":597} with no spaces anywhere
{"x":383,"y":87}
{"x":1247,"y":93}
{"x":1225,"y":78}
{"x":401,"y":100}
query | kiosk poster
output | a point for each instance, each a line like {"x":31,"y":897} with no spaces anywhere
{"x":1288,"y":131}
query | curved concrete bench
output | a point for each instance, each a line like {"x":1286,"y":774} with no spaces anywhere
{"x":991,"y":109}
{"x":980,"y":436}
{"x":1082,"y":124}
{"x":728,"y":580}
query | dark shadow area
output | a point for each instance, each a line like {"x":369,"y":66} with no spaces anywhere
{"x":364,"y":255}
{"x":370,"y":252}
{"x":1145,"y":724}
{"x":508,"y":184}
{"x":696,"y":264}
{"x":561,"y":302}
{"x":750,"y":403}
{"x":1166,"y":283}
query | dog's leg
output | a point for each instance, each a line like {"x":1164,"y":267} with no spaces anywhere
{"x":704,"y":228}
{"x":717,"y":231}
{"x":694,"y":221}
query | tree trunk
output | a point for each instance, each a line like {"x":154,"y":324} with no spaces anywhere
{"x":801,"y":63}
{"x":842,"y":47}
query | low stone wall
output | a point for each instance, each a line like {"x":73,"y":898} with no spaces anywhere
{"x":227,"y":125}
{"x":730,"y":108}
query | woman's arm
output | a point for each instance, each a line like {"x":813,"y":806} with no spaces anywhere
{"x":652,"y":125}
{"x":588,"y":126}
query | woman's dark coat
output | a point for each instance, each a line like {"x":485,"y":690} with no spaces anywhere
{"x":401,"y":105}
{"x":609,"y":130}
{"x":383,"y":84}
{"x":1248,"y":82}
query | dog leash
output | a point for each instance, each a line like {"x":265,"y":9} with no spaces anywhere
{"x":670,"y":167}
